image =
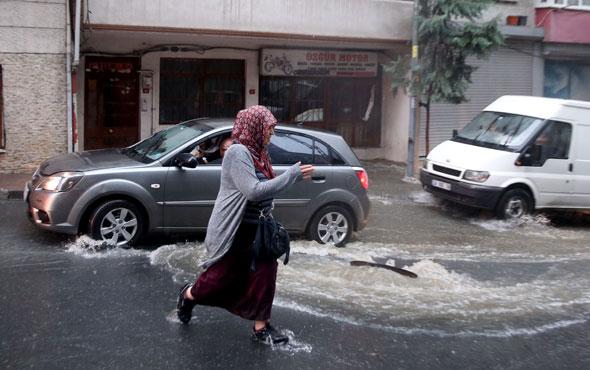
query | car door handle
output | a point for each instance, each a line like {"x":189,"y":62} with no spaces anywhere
{"x":571,"y":167}
{"x":318,"y":179}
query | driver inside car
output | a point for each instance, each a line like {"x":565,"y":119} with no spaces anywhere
{"x":210,"y":153}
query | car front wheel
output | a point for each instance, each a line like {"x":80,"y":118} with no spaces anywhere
{"x":515,"y":203}
{"x":116,"y":222}
{"x":331,"y":225}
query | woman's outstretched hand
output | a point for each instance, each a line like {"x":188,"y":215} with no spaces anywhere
{"x":306,"y":170}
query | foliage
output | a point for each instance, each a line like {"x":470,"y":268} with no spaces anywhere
{"x":448,"y":33}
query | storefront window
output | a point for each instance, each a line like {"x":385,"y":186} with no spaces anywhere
{"x":567,"y":80}
{"x":309,"y":100}
{"x":192,"y":88}
{"x":348,"y":106}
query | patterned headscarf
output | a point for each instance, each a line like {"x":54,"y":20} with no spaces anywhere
{"x":250,"y":127}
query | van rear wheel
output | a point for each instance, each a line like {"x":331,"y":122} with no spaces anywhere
{"x":515,"y":203}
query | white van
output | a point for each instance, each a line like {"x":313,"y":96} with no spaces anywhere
{"x":519,"y":154}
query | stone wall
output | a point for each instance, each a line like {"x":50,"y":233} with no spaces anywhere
{"x":32,"y":55}
{"x":34,"y":110}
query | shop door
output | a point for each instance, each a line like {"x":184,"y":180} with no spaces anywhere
{"x":111,"y":113}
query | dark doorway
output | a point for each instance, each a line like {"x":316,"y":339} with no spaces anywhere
{"x":111,"y":111}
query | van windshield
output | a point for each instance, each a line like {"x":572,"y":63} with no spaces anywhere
{"x":500,"y":130}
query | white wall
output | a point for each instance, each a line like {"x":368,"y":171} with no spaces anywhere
{"x":395,"y":112}
{"x":343,"y":18}
{"x":34,"y":27}
{"x":520,"y":8}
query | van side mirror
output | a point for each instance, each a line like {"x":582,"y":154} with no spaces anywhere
{"x":531,"y":155}
{"x":185,"y":160}
{"x":455,"y":133}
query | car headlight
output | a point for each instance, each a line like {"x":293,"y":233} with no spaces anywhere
{"x":476,"y":176}
{"x":61,"y":181}
{"x":425,"y":163}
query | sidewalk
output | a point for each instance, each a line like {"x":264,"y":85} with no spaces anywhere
{"x":12,"y":185}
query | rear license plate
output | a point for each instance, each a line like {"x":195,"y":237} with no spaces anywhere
{"x":441,"y":184}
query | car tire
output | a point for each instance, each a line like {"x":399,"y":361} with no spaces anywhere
{"x":331,"y":224}
{"x":117,"y":222}
{"x":514,"y":203}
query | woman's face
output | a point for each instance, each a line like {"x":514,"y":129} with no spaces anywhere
{"x":268,"y":135}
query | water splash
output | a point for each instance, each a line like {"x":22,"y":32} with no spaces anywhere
{"x":87,"y":247}
{"x":386,"y":201}
{"x":320,"y":281}
{"x":423,"y":197}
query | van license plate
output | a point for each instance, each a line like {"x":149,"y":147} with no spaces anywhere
{"x":442,"y":185}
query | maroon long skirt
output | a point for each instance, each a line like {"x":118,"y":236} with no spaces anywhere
{"x":229,"y":283}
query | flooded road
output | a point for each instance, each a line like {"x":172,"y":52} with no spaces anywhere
{"x":511,"y":294}
{"x":478,"y":276}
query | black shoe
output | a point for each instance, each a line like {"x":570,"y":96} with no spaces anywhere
{"x":269,"y":335}
{"x":184,"y":307}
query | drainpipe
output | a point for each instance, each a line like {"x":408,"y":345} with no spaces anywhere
{"x":69,"y":80}
{"x":77,"y":34}
{"x":413,"y":104}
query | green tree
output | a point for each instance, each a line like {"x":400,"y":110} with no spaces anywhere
{"x":449,"y":31}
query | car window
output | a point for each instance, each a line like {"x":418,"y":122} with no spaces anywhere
{"x":163,"y":142}
{"x":321,"y":153}
{"x":208,"y":151}
{"x":287,"y":149}
{"x":554,"y":141}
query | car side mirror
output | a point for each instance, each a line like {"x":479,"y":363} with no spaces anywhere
{"x":186,"y":160}
{"x":532,"y":154}
{"x":455,"y":133}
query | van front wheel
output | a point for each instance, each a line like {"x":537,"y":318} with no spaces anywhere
{"x":515,"y":203}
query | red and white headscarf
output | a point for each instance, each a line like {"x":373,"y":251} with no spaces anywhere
{"x":251,"y":126}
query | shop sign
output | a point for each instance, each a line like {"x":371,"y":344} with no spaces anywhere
{"x":103,"y":66}
{"x":285,"y":62}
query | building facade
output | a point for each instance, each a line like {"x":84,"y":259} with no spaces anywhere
{"x":566,"y":47}
{"x":33,"y":83}
{"x":131,"y":68}
{"x":148,"y":65}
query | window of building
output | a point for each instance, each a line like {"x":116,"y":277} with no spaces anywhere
{"x":2,"y":137}
{"x":571,"y":4}
{"x":567,"y":80}
{"x":192,"y":88}
{"x":348,"y":106}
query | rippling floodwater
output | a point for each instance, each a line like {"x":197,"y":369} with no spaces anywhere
{"x":462,"y":290}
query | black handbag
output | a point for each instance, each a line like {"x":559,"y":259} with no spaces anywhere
{"x":271,"y":241}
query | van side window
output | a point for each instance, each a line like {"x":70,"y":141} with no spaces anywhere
{"x":554,"y":141}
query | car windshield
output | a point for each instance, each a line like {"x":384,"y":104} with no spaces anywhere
{"x":165,"y":141}
{"x":500,"y":130}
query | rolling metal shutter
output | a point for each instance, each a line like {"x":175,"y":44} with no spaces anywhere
{"x":508,"y":71}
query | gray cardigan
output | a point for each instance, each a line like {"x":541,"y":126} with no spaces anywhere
{"x":239,"y":184}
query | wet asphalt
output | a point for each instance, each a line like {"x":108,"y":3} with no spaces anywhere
{"x":62,"y":310}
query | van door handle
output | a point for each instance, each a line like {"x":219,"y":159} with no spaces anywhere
{"x":571,"y":167}
{"x":318,"y":179}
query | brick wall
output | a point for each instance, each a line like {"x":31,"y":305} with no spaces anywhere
{"x":34,"y":109}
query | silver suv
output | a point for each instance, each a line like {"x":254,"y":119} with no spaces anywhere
{"x":118,"y":195}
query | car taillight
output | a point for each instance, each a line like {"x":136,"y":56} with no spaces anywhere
{"x":363,"y":178}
